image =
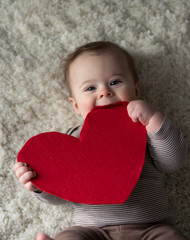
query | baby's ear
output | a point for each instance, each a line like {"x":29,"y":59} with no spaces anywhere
{"x":74,"y":104}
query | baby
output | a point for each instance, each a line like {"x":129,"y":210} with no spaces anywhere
{"x":101,"y":73}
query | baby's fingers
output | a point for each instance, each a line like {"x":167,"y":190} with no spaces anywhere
{"x":131,"y":107}
{"x":18,"y":165}
{"x":26,"y":177}
{"x":30,"y":187}
{"x":25,"y":174}
{"x":21,"y":170}
{"x":132,"y":111}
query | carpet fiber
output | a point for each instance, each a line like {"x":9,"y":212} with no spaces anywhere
{"x":34,"y":36}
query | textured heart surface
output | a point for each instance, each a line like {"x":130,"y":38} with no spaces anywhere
{"x":101,"y":167}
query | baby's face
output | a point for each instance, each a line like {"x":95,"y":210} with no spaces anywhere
{"x":97,"y":80}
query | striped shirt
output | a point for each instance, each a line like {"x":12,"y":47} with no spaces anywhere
{"x":166,"y":152}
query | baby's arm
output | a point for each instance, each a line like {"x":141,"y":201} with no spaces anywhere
{"x":166,"y":143}
{"x":25,"y":174}
{"x":141,"y":111}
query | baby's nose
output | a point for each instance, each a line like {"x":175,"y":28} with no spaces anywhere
{"x":105,"y":93}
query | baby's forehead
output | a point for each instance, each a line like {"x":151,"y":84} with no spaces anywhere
{"x":116,"y":54}
{"x":91,"y":61}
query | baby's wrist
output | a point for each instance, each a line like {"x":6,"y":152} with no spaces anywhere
{"x":155,"y":122}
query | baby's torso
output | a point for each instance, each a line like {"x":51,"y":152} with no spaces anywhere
{"x":147,"y":203}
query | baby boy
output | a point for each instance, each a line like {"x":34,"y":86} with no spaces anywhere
{"x":101,"y":73}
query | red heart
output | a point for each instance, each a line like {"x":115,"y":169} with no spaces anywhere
{"x":101,"y":167}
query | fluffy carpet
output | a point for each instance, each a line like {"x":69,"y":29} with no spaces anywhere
{"x":34,"y":36}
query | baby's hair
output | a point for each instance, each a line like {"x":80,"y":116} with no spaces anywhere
{"x":97,"y":48}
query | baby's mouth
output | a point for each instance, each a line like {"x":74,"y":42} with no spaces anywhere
{"x":107,"y":102}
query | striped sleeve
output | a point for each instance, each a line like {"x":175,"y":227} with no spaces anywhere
{"x":167,"y":148}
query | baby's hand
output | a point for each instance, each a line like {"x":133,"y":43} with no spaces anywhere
{"x":141,"y":111}
{"x":25,"y":174}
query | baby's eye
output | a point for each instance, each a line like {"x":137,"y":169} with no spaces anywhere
{"x":91,"y":88}
{"x":114,"y":82}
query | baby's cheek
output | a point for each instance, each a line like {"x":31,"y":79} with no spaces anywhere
{"x":128,"y":94}
{"x":85,"y":109}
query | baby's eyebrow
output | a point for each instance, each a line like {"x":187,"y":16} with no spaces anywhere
{"x":118,"y":74}
{"x":85,"y":82}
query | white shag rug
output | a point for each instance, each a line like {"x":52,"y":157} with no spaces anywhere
{"x":34,"y":35}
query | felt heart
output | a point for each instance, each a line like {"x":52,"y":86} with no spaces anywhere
{"x":101,"y":167}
